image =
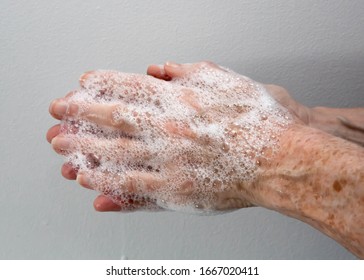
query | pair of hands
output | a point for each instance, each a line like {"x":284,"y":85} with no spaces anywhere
{"x":185,"y":136}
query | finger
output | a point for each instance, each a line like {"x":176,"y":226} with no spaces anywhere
{"x":180,"y":129}
{"x":70,"y":94}
{"x":62,"y":144}
{"x":106,"y":115}
{"x":101,"y":79}
{"x":126,"y":204}
{"x":176,"y":70}
{"x":68,"y":171}
{"x":86,"y":77}
{"x":121,"y":86}
{"x":190,"y":98}
{"x":53,"y":132}
{"x":105,"y":204}
{"x":59,"y":108}
{"x":157,"y":71}
{"x":113,"y":116}
{"x":97,"y":151}
{"x":116,"y":185}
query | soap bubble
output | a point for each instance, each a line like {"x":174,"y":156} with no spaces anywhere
{"x":215,"y":144}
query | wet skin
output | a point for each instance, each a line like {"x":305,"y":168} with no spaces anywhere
{"x":309,"y":175}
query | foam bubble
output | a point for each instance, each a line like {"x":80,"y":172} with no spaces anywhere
{"x":216,"y":143}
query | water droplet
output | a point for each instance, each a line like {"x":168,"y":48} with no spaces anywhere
{"x":206,"y":180}
{"x":233,"y":133}
{"x":157,"y":103}
{"x":225,"y":147}
{"x":216,"y":183}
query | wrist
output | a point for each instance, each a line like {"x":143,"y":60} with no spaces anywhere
{"x":318,"y":179}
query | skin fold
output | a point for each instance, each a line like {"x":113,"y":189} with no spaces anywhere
{"x":170,"y":129}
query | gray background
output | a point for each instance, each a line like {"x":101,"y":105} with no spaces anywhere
{"x":313,"y":48}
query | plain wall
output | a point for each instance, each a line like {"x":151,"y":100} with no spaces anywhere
{"x":313,"y":48}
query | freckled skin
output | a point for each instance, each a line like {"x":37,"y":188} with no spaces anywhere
{"x":321,"y":185}
{"x":337,"y":186}
{"x":205,"y":143}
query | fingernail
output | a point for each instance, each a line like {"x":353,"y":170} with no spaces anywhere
{"x":72,"y":110}
{"x":61,"y":143}
{"x":172,"y":64}
{"x":83,"y":180}
{"x":85,"y":76}
{"x":59,"y":107}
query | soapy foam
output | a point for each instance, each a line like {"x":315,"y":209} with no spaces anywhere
{"x":238,"y":120}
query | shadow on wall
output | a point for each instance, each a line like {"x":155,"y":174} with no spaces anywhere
{"x":317,"y":80}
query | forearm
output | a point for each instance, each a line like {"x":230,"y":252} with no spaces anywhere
{"x":345,"y":123}
{"x":318,"y":179}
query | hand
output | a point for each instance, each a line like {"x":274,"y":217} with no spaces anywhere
{"x":284,"y":98}
{"x":192,"y":139}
